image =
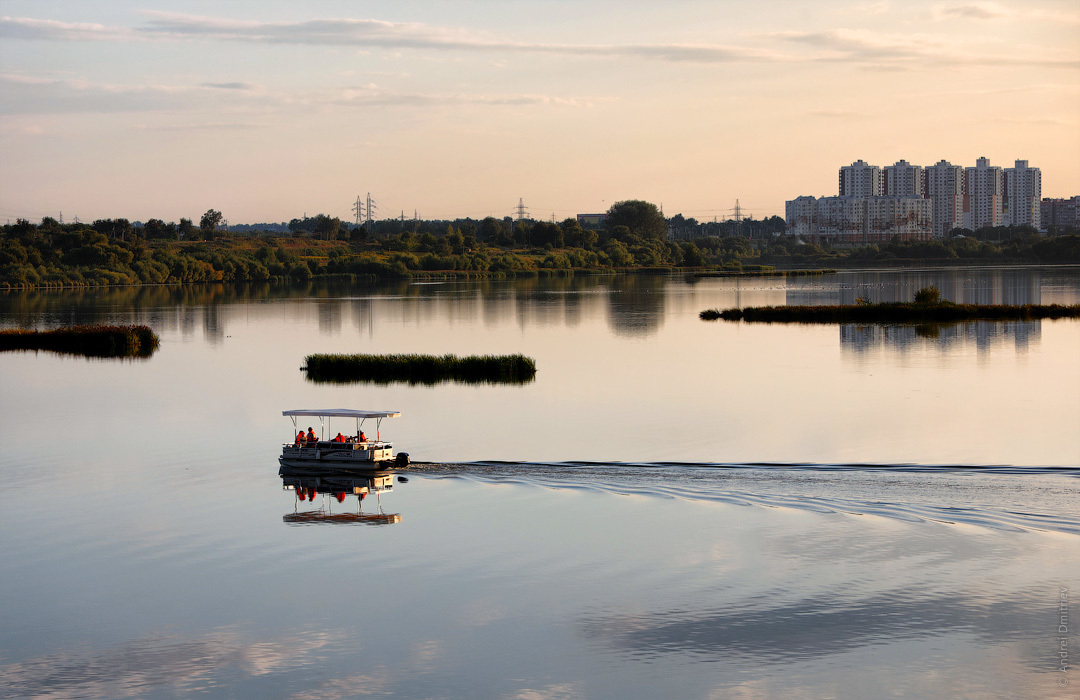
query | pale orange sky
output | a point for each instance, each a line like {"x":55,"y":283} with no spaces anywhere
{"x":269,"y":110}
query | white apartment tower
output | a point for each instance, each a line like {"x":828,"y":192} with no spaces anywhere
{"x":1023,"y":195}
{"x":945,"y":188}
{"x":860,"y":179}
{"x":984,"y":192}
{"x":904,"y":180}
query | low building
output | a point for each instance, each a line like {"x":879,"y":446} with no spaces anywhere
{"x":1060,"y":213}
{"x":591,"y":219}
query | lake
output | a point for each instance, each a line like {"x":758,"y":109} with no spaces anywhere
{"x":673,"y":508}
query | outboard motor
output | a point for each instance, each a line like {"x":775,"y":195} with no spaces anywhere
{"x":402,"y":460}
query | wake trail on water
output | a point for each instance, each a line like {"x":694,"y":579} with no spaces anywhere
{"x":1000,"y":497}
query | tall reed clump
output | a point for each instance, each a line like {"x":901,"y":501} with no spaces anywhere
{"x":420,"y":369}
{"x":91,"y":341}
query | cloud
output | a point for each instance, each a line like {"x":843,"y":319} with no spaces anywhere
{"x":994,"y":11}
{"x":34,"y":95}
{"x":973,"y":10}
{"x":228,"y":86}
{"x":411,"y":35}
{"x":358,"y":33}
{"x":878,"y":50}
{"x":53,"y":30}
{"x":899,"y":50}
{"x":874,"y":49}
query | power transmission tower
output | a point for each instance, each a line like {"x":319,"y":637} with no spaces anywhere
{"x":738,"y":212}
{"x":371,"y":207}
{"x":358,"y":209}
{"x":521,"y":212}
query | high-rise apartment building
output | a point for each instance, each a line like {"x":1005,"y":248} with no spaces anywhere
{"x":945,"y":188}
{"x":909,"y":202}
{"x":905,"y":180}
{"x":984,"y":193}
{"x":800,"y":214}
{"x":1023,"y":195}
{"x":860,"y":179}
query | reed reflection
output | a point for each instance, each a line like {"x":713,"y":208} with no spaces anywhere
{"x":333,"y":498}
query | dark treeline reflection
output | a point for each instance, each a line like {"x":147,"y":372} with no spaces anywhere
{"x":985,"y":335}
{"x":634,"y":305}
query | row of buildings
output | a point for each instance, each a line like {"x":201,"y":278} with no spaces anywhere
{"x":912,"y":202}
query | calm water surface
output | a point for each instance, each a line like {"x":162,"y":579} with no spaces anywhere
{"x":674,"y":508}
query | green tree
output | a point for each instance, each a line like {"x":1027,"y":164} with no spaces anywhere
{"x":692,"y":256}
{"x":211,"y":220}
{"x":642,"y":218}
{"x":617,"y":252}
{"x":154,"y":228}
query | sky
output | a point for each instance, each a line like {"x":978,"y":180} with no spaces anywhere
{"x":271,"y":110}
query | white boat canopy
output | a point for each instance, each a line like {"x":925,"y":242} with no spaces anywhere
{"x":341,"y":413}
{"x":324,"y":414}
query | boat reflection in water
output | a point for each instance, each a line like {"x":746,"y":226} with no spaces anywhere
{"x":322,"y":492}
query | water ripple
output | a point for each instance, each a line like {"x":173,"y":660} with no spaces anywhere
{"x":1005,"y":498}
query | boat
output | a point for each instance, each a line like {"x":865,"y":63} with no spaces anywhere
{"x":355,"y":452}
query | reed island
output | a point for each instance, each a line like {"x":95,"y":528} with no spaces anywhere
{"x":89,"y":341}
{"x":420,"y":369}
{"x":927,"y":307}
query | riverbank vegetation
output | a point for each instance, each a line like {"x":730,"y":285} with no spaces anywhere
{"x":633,"y":238}
{"x":420,"y":369}
{"x":90,"y":341}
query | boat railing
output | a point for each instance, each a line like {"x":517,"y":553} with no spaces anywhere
{"x":331,"y":445}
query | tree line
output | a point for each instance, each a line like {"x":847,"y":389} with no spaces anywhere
{"x":635,"y":235}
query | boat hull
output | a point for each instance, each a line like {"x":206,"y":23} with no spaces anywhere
{"x":340,"y":456}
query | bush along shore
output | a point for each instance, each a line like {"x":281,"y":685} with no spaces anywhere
{"x":899,"y":312}
{"x":420,"y":369}
{"x":91,"y":341}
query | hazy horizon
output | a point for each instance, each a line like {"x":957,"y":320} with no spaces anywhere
{"x":269,"y":110}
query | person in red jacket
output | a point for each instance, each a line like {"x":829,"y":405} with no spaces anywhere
{"x":311,"y":435}
{"x":339,"y":438}
{"x":300,"y":437}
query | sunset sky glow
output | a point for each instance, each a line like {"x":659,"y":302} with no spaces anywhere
{"x":268,"y":110}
